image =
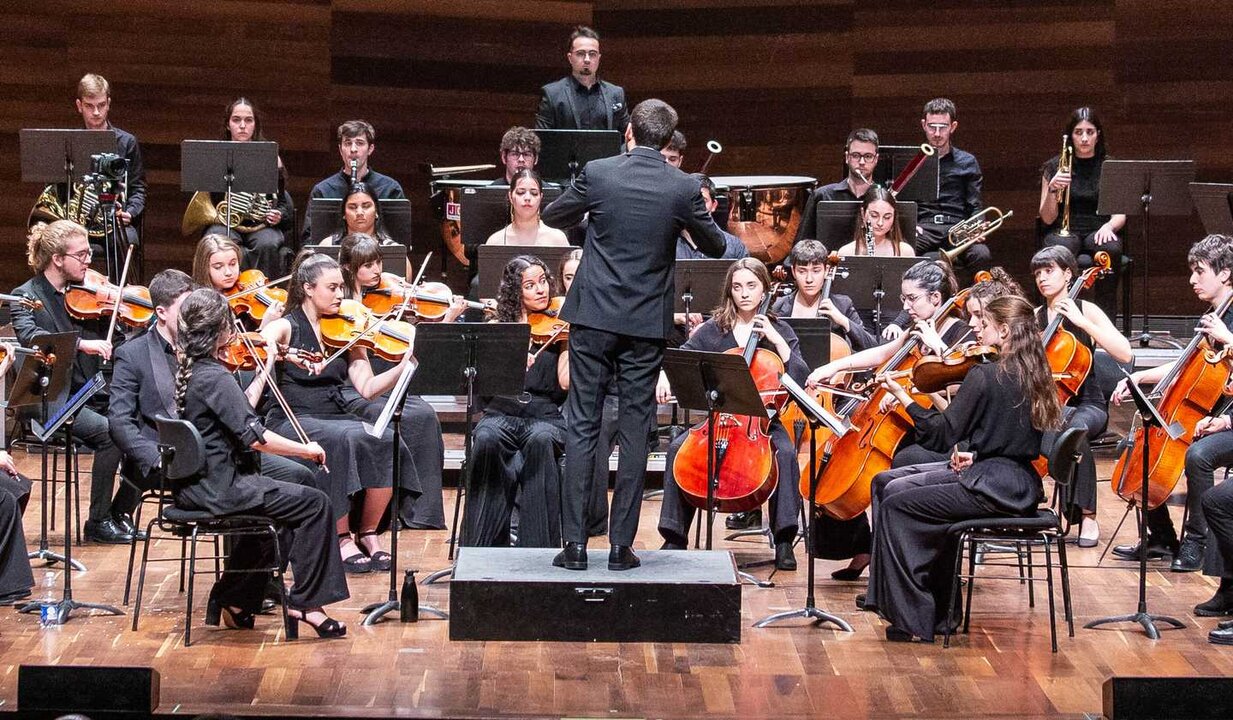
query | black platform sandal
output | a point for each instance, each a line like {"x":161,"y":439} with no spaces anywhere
{"x":380,"y":561}
{"x":329,"y":628}
{"x":356,"y":564}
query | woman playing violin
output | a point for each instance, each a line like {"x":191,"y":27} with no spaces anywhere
{"x":1001,"y":410}
{"x":359,"y":255}
{"x":526,"y":192}
{"x":877,"y":220}
{"x":216,"y":264}
{"x":731,"y":326}
{"x":1054,"y":269}
{"x":519,"y":441}
{"x":361,"y":215}
{"x":360,"y":465}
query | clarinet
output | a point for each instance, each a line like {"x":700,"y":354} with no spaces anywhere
{"x":355,"y":169}
{"x":868,"y":239}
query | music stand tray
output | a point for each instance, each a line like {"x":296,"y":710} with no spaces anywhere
{"x":485,"y":210}
{"x":922,"y":188}
{"x":50,"y":155}
{"x":217,"y":166}
{"x":1214,"y":201}
{"x":700,"y":281}
{"x":492,"y":259}
{"x":563,"y":153}
{"x":836,"y":221}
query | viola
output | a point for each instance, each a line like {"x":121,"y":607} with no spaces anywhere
{"x":934,"y":373}
{"x":1070,"y":361}
{"x":744,"y":460}
{"x":96,"y":297}
{"x":253,"y":294}
{"x":1188,"y":394}
{"x":547,"y":325}
{"x":429,"y":301}
{"x":355,"y":325}
{"x":22,"y":300}
{"x":248,"y":351}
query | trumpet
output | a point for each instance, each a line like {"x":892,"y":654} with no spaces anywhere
{"x":973,"y":230}
{"x":1065,"y":163}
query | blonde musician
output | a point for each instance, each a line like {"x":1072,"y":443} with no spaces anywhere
{"x":1211,"y":268}
{"x":877,"y":228}
{"x":1055,"y":269}
{"x":730,"y":327}
{"x":216,"y":264}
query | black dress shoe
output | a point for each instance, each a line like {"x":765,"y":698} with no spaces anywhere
{"x":573,"y":557}
{"x":1189,"y":557}
{"x":744,"y":520}
{"x":1155,"y":550}
{"x":1220,"y":605}
{"x":622,"y":557}
{"x":106,"y":531}
{"x":785,"y":556}
{"x":1221,"y":636}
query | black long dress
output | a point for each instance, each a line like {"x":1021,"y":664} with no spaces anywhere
{"x":232,"y":483}
{"x":913,"y":561}
{"x":16,"y":577}
{"x":356,"y":459}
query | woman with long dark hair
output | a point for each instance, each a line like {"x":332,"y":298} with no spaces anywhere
{"x":526,"y":194}
{"x":361,"y":214}
{"x":878,"y":221}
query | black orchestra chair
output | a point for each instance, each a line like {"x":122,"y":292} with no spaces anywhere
{"x":182,"y":458}
{"x":1048,"y":527}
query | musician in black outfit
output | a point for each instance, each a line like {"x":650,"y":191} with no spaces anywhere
{"x":582,"y":101}
{"x":357,"y":140}
{"x":1001,"y":409}
{"x":1090,"y":232}
{"x":730,"y":326}
{"x":860,"y":152}
{"x":208,"y":396}
{"x":519,"y":151}
{"x":808,"y":260}
{"x":519,"y":441}
{"x":620,"y":310}
{"x":959,"y":181}
{"x":16,"y":578}
{"x":60,"y":254}
{"x":1218,"y":561}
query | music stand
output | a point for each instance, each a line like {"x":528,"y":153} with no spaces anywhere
{"x":814,"y":335}
{"x":563,"y":153}
{"x":325,"y":217}
{"x":699,"y":284}
{"x":492,"y":259}
{"x":922,"y":188}
{"x":1151,"y":418}
{"x":816,"y":416}
{"x":836,"y":221}
{"x":63,"y":419}
{"x":1145,"y":187}
{"x":868,"y":279}
{"x":470,"y":359}
{"x":486,"y":210}
{"x":396,"y":217}
{"x":38,"y":382}
{"x":227,"y":166}
{"x":717,"y":383}
{"x":1214,"y":201}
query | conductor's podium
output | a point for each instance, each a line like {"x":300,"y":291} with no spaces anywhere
{"x":517,"y":594}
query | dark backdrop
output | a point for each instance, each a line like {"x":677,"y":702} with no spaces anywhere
{"x":778,"y":82}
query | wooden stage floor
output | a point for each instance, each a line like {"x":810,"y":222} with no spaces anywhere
{"x":1004,"y":668}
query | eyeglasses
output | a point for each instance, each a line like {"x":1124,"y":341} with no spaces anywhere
{"x":911,"y":299}
{"x":527,"y":154}
{"x":937,"y":126}
{"x":82,"y":257}
{"x":585,"y":54}
{"x":863,"y":157}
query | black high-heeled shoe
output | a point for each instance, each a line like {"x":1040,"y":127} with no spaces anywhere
{"x":329,"y":628}
{"x":216,"y":611}
{"x":380,"y":561}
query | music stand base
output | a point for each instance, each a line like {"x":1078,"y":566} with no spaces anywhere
{"x":373,"y":613}
{"x":652,"y":494}
{"x":755,"y":581}
{"x":1146,"y":619}
{"x":65,"y":608}
{"x":818,"y":616}
{"x":51,"y":558}
{"x":433,"y":578}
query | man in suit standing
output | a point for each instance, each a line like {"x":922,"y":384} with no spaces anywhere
{"x":582,"y":101}
{"x":620,"y":310}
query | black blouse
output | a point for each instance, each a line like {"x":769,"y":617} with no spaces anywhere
{"x":543,"y":394}
{"x":1084,"y":195}
{"x":709,"y":338}
{"x":306,"y":393}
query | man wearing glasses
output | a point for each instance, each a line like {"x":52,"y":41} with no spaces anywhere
{"x":582,"y":101}
{"x":519,"y":151}
{"x":861,"y":155}
{"x":959,"y":180}
{"x":60,"y":254}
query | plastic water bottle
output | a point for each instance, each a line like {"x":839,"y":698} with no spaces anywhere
{"x":409,"y":601}
{"x":48,"y":612}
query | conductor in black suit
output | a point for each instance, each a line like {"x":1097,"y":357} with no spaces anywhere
{"x":620,"y":310}
{"x":582,"y":101}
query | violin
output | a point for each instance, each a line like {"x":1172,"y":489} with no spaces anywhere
{"x":546,"y":324}
{"x":247,"y":351}
{"x":429,"y":301}
{"x":934,"y":373}
{"x":22,"y":300}
{"x":355,"y":324}
{"x":96,"y":297}
{"x":254,"y":295}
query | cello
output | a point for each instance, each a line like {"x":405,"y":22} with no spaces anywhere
{"x":1195,"y":383}
{"x":1070,"y":361}
{"x":845,"y":485}
{"x":793,"y":419}
{"x":745,"y":467}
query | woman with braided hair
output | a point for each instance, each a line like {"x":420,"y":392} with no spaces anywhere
{"x":208,"y":396}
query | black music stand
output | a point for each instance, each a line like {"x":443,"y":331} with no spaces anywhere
{"x":471,"y":359}
{"x":563,"y":153}
{"x":227,"y":166}
{"x":487,"y":210}
{"x":37,"y":382}
{"x":817,"y":416}
{"x":492,"y":259}
{"x":836,"y":221}
{"x":1214,"y":201}
{"x":325,"y":217}
{"x":392,"y":414}
{"x":868,"y":279}
{"x":1147,"y":188}
{"x":923,"y":187}
{"x":699,"y":284}
{"x":717,"y":383}
{"x":396,"y":217}
{"x":1151,"y":418}
{"x":63,"y":420}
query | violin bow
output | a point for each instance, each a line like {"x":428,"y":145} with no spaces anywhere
{"x":406,"y":298}
{"x":259,"y":288}
{"x":360,"y":336}
{"x":115,"y":310}
{"x":273,"y":386}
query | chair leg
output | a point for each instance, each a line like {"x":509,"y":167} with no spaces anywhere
{"x":141,"y":577}
{"x":132,"y":554}
{"x":967,"y":603}
{"x":288,"y":632}
{"x":1049,"y":584}
{"x":1064,"y":568}
{"x":1031,"y":585}
{"x":950,"y":598}
{"x":188,"y":603}
{"x":55,"y":473}
{"x":183,"y":555}
{"x":76,"y":495}
{"x":218,"y":568}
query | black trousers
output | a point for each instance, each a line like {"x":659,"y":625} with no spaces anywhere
{"x":595,"y":357}
{"x":1202,"y":458}
{"x":1083,"y":246}
{"x":1218,"y":509}
{"x":305,"y":522}
{"x":15,"y":573}
{"x":515,"y":457}
{"x":90,"y":429}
